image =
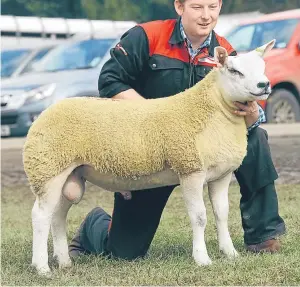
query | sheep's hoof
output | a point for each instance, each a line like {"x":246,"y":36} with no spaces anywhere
{"x":61,"y":264}
{"x":46,"y":274}
{"x":43,"y":271}
{"x":230,"y":253}
{"x":203,"y":260}
{"x":66,"y":264}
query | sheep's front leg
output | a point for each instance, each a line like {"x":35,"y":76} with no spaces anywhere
{"x":192,"y":188}
{"x":218,"y":194}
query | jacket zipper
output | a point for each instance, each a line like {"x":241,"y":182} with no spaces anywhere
{"x":191,"y":64}
{"x":191,"y":69}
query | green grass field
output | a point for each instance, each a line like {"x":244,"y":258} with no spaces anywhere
{"x":170,"y":258}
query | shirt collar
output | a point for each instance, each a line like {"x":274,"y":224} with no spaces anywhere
{"x":206,"y":43}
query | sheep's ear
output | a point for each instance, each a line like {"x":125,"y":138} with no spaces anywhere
{"x":221,"y":56}
{"x":263,"y":50}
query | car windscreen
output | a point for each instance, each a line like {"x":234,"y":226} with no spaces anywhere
{"x":79,"y":55}
{"x":11,"y":59}
{"x":248,"y":37}
{"x":37,"y":57}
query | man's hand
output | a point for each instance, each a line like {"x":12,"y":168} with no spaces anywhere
{"x":249,"y":111}
{"x":126,"y":195}
{"x":130,"y":94}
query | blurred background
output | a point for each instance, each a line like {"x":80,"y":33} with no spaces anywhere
{"x":54,"y":49}
{"x":136,"y":10}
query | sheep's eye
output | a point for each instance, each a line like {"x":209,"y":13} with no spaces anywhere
{"x":236,"y":72}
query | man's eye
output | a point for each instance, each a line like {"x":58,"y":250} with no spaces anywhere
{"x":236,"y":72}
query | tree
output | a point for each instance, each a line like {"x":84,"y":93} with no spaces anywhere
{"x":137,"y":10}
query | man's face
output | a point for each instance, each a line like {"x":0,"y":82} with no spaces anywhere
{"x":199,"y":17}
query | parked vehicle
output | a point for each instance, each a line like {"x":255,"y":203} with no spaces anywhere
{"x":69,"y":70}
{"x":227,"y":22}
{"x":282,"y":63}
{"x":18,"y":61}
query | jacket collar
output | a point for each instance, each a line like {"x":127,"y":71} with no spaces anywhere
{"x":177,"y":38}
{"x":213,"y":43}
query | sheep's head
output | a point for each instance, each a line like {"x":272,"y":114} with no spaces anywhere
{"x":243,"y":77}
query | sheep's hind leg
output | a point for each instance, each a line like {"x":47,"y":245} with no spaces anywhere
{"x":59,"y":234}
{"x":218,"y":194}
{"x":73,"y":190}
{"x":42,"y":213}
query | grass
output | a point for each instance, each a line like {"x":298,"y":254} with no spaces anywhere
{"x":169,"y":261}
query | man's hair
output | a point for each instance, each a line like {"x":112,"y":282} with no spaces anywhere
{"x":182,"y":1}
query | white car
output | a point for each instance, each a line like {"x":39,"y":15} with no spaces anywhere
{"x":18,"y":61}
{"x":69,"y":70}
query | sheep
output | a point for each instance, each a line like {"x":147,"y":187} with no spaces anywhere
{"x":191,"y":138}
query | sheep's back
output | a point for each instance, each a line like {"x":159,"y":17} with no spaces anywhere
{"x":116,"y":136}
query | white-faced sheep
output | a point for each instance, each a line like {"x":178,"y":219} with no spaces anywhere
{"x":189,"y":138}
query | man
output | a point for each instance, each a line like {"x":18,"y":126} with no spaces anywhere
{"x":159,"y":59}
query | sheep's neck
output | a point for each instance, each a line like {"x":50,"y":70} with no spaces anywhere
{"x":226,"y":107}
{"x":205,"y":99}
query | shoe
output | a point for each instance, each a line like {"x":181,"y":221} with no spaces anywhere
{"x":269,"y":246}
{"x":75,"y":247}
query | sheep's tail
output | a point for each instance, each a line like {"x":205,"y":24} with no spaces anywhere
{"x":34,"y":163}
{"x":41,"y":163}
{"x":42,"y":171}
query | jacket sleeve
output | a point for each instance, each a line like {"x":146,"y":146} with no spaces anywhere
{"x":122,"y":71}
{"x":261,"y":119}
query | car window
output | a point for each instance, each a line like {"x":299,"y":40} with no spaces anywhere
{"x":242,"y":37}
{"x":37,"y":57}
{"x":80,"y":55}
{"x":249,"y":37}
{"x":11,"y":59}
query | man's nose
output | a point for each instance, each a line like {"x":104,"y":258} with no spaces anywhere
{"x":205,"y":13}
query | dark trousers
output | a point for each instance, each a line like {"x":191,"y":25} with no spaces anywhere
{"x":135,"y":221}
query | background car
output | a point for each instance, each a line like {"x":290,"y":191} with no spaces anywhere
{"x":69,"y":70}
{"x":18,"y":61}
{"x":282,"y":62}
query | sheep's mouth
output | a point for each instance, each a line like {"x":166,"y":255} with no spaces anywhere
{"x":260,"y":94}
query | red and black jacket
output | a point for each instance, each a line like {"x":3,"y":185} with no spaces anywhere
{"x":153,"y":59}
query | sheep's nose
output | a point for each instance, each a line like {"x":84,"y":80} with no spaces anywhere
{"x":263,"y":85}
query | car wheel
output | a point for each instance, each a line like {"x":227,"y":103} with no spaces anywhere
{"x":282,"y":107}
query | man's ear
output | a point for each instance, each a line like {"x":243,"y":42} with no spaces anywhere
{"x":179,"y":7}
{"x":221,"y":56}
{"x":263,"y":50}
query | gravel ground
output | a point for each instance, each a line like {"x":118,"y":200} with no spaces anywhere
{"x":285,"y":153}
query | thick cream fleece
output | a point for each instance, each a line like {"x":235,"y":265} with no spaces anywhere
{"x":190,"y":131}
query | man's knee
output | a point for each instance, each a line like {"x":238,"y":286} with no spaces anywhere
{"x":258,"y":134}
{"x":258,"y":137}
{"x":258,"y":162}
{"x":126,"y":252}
